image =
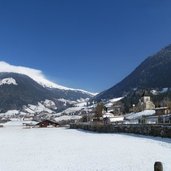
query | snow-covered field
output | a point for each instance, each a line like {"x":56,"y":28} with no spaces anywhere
{"x":59,"y":149}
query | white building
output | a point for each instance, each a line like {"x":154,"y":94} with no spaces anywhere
{"x":111,"y":118}
{"x":146,"y":103}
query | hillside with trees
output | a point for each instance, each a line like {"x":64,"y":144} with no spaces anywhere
{"x":151,"y":74}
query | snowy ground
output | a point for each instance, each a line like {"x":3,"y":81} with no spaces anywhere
{"x":59,"y":149}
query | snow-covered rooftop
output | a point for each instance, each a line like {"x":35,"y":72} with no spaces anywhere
{"x":139,"y":114}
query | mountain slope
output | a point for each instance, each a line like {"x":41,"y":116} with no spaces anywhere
{"x":18,"y":90}
{"x":25,"y":91}
{"x":73,"y":95}
{"x":153,"y":73}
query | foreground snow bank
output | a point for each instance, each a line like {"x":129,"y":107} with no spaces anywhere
{"x":43,"y":149}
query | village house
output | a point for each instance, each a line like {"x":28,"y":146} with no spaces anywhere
{"x":162,"y":110}
{"x":47,"y":123}
{"x":117,"y":110}
{"x":110,"y":118}
{"x":111,"y":113}
{"x":114,"y":107}
{"x":156,"y":119}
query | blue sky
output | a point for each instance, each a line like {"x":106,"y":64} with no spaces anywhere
{"x":88,"y":44}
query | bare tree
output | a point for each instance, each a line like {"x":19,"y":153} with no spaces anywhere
{"x":99,"y":109}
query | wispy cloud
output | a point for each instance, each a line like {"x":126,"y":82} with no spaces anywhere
{"x":35,"y":74}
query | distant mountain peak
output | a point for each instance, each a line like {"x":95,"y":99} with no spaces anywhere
{"x":36,"y":75}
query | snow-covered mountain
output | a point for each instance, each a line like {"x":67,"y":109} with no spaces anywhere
{"x":38,"y":76}
{"x":22,"y":86}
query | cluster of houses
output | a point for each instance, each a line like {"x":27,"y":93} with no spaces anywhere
{"x":147,"y":114}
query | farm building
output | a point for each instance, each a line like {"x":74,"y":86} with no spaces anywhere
{"x":47,"y":123}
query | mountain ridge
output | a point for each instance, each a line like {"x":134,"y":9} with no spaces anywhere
{"x":37,"y":76}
